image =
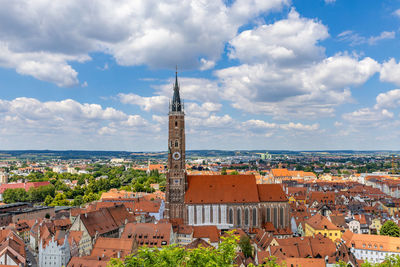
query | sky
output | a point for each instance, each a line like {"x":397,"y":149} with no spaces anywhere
{"x":254,"y":74}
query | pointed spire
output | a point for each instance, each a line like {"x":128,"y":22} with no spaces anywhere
{"x":176,"y":99}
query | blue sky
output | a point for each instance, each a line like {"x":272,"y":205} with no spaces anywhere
{"x":277,"y":74}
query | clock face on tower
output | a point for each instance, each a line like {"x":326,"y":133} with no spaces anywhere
{"x":176,"y":155}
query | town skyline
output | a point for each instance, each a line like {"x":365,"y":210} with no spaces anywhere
{"x":281,"y":75}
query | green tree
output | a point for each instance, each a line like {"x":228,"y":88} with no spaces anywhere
{"x":390,"y":228}
{"x":48,"y":200}
{"x":223,"y":171}
{"x":60,"y":200}
{"x":234,"y":173}
{"x":15,"y":195}
{"x":78,"y":200}
{"x":246,"y":247}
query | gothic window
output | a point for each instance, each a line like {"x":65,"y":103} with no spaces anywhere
{"x":176,"y":124}
{"x":239,"y":217}
{"x":268,"y":214}
{"x":276,"y":217}
{"x":254,"y":217}
{"x":246,"y":217}
{"x":230,"y":216}
{"x":176,"y":143}
{"x":171,"y":143}
{"x":281,"y":216}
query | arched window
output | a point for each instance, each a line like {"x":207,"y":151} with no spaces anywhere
{"x":230,"y":216}
{"x":176,"y":124}
{"x":268,"y":215}
{"x":281,"y":217}
{"x":246,"y":217}
{"x":276,"y":217}
{"x":176,"y":143}
{"x":239,"y":217}
{"x":254,"y":217}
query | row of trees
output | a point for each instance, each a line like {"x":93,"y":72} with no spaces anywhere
{"x":89,"y":186}
{"x":32,"y":195}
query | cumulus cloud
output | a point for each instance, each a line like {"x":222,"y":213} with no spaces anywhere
{"x":153,"y":103}
{"x":294,"y":91}
{"x":368,"y":115}
{"x":41,"y":38}
{"x":288,"y":41}
{"x":31,"y":116}
{"x":390,"y":72}
{"x":390,"y":99}
{"x":380,"y":114}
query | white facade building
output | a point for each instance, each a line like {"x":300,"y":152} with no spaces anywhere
{"x":54,"y":255}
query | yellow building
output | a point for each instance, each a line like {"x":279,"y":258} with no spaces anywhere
{"x":375,"y":226}
{"x":319,"y":224}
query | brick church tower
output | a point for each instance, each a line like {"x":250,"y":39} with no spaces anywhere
{"x":176,"y":176}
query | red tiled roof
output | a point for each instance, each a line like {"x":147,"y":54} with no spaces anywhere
{"x":209,"y":231}
{"x":221,"y":189}
{"x":149,"y":234}
{"x":271,"y":193}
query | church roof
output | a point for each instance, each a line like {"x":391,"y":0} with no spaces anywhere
{"x":203,"y":189}
{"x":271,"y":193}
{"x":213,"y":189}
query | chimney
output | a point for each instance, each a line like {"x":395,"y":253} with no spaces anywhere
{"x":119,"y":254}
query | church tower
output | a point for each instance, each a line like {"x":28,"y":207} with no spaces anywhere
{"x":176,"y":176}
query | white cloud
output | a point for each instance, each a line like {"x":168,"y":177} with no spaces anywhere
{"x":384,"y":35}
{"x":40,"y":38}
{"x":367,"y":116}
{"x":43,"y":66}
{"x":330,"y":1}
{"x":260,"y":124}
{"x":397,"y":12}
{"x":288,"y":41}
{"x":390,"y":99}
{"x":299,"y":126}
{"x":153,"y":103}
{"x":390,"y":72}
{"x":29,"y":115}
{"x":355,"y":39}
{"x":295,"y":91}
{"x":204,"y":110}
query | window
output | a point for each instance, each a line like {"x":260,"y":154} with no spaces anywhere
{"x":246,"y":217}
{"x":268,"y":214}
{"x":239,"y":217}
{"x":276,"y":217}
{"x":176,"y":124}
{"x":230,"y":216}
{"x":176,"y":143}
{"x":254,"y":217}
{"x":281,"y":217}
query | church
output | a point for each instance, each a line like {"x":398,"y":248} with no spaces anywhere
{"x":227,"y":201}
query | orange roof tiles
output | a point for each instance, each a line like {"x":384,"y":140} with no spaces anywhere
{"x":221,"y":189}
{"x":113,"y":247}
{"x":320,"y":222}
{"x":209,"y":231}
{"x":207,"y":189}
{"x":372,"y":242}
{"x":271,"y":193}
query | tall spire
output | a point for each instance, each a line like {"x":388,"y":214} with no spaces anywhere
{"x":176,"y":99}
